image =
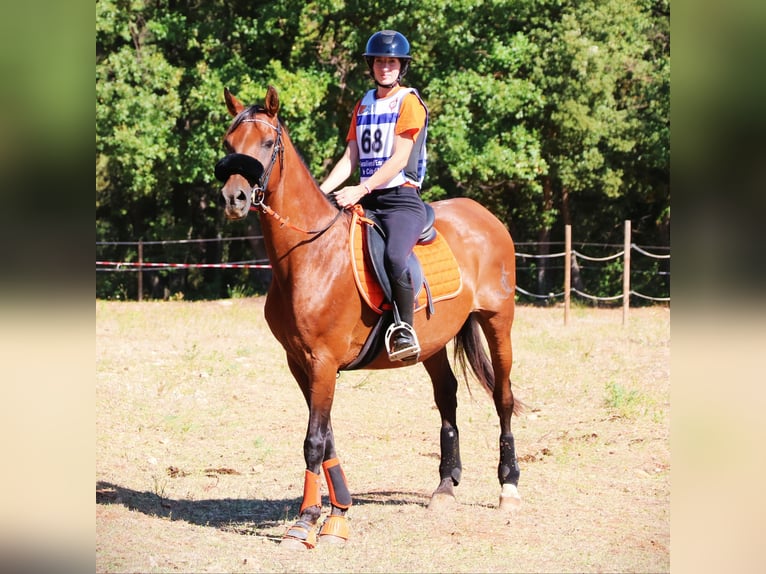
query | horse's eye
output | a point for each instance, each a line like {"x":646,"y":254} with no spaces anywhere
{"x":268,"y":144}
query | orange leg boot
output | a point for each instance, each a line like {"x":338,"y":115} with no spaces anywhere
{"x":302,"y":534}
{"x":335,"y":528}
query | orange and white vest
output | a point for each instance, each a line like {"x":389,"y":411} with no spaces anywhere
{"x":375,"y":133}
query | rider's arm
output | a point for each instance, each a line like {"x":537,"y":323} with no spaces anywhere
{"x":343,"y":169}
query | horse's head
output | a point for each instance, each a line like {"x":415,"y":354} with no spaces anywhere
{"x":252,"y":144}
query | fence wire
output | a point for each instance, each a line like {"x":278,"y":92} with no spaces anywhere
{"x":578,"y":255}
{"x":137,"y":266}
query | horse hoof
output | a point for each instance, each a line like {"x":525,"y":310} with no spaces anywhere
{"x":300,"y":536}
{"x":510,"y":500}
{"x":293,"y":544}
{"x":442,"y":501}
{"x":331,"y":540}
{"x":334,"y":530}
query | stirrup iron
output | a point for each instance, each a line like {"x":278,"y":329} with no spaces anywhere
{"x":410,"y":353}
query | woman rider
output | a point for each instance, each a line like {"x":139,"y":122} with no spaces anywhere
{"x":387,"y":140}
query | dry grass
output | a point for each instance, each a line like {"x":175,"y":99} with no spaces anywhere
{"x":199,"y":463}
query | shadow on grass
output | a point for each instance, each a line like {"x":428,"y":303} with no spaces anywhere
{"x":234,"y":514}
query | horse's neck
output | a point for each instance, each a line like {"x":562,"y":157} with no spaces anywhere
{"x":296,"y":198}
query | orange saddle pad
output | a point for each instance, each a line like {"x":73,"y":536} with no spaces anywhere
{"x":440,"y":270}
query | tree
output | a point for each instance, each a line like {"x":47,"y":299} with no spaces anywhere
{"x":546,"y":111}
{"x":603,"y":70}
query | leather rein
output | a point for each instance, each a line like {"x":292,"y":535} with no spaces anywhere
{"x":258,"y":193}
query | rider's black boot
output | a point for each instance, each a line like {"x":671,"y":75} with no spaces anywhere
{"x":404,"y":344}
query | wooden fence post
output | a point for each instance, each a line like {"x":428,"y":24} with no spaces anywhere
{"x":140,"y":270}
{"x":567,"y":271}
{"x":626,"y":275}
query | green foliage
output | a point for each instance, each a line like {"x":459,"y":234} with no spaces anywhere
{"x":626,"y":403}
{"x":548,"y":112}
{"x":593,"y":70}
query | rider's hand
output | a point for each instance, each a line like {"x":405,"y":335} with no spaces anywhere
{"x":350,"y":195}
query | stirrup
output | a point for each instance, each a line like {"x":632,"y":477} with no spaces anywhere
{"x":410,"y":353}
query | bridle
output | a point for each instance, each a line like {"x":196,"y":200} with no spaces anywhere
{"x":258,"y":193}
{"x":259,"y":188}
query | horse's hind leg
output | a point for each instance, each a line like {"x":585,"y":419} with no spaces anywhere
{"x":497,"y":330}
{"x":445,"y":395}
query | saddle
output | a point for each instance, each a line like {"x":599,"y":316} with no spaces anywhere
{"x":433,"y":268}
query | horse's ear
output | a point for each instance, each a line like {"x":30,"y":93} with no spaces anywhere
{"x":232,"y":103}
{"x":272,"y":101}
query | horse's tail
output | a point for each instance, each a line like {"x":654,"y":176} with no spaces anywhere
{"x":469,"y":350}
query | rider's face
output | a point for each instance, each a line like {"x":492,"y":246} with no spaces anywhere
{"x":386,"y":69}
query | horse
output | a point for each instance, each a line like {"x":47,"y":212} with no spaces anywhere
{"x":315,"y":310}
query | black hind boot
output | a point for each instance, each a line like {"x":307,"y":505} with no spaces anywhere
{"x":402,"y":342}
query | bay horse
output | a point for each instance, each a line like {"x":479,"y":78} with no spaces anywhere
{"x":315,"y":310}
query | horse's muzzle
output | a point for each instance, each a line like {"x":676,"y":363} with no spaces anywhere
{"x":235,"y":201}
{"x":235,"y":197}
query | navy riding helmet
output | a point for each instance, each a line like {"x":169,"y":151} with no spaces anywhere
{"x":388,"y":44}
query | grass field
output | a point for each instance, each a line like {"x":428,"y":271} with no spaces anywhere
{"x":199,"y":463}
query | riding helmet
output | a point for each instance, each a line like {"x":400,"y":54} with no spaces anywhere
{"x":391,"y":44}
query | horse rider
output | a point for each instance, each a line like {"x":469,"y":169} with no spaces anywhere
{"x":387,"y":140}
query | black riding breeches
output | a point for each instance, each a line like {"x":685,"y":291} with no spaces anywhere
{"x":402,"y":215}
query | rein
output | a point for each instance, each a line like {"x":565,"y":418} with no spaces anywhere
{"x":258,"y":193}
{"x":260,"y":204}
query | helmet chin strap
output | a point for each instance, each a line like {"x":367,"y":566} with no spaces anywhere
{"x":386,"y":86}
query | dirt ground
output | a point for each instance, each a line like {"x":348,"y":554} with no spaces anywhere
{"x":199,"y":464}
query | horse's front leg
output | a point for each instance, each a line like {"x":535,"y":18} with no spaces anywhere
{"x":335,"y":527}
{"x":320,"y":456}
